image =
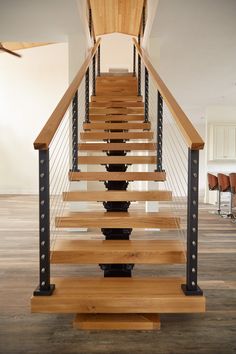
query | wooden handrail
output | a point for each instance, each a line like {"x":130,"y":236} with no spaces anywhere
{"x":193,"y":139}
{"x":47,"y":133}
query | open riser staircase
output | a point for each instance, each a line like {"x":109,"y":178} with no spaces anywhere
{"x":118,"y":135}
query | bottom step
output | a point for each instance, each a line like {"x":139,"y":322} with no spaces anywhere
{"x":118,"y":295}
{"x":111,"y":322}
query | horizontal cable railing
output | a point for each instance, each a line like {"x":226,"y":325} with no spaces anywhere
{"x":58,"y":154}
{"x":178,"y":145}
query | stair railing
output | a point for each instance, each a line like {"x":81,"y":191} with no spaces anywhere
{"x":57,"y":144}
{"x":174,"y":131}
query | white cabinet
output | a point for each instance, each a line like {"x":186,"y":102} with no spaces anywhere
{"x":222,"y":141}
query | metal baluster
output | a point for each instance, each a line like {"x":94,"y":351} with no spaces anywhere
{"x":94,"y":75}
{"x":44,"y":288}
{"x":191,"y":287}
{"x":146,"y":102}
{"x":90,"y":22}
{"x":75,"y":136}
{"x":134,"y":61}
{"x":159,"y":131}
{"x":144,"y":19}
{"x":87,"y":96}
{"x":139,"y":75}
{"x":99,"y":61}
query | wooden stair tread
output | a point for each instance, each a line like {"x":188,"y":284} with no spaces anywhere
{"x":116,"y":117}
{"x":117,"y":146}
{"x":117,"y":176}
{"x":94,"y":160}
{"x":116,"y":104}
{"x":107,"y":126}
{"x":115,"y":135}
{"x":114,"y":195}
{"x":118,"y":220}
{"x":105,"y":321}
{"x":128,"y":110}
{"x":118,"y":295}
{"x":116,"y":98}
{"x":118,"y":252}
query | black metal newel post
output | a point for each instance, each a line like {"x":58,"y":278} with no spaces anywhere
{"x":94,"y":75}
{"x":159,"y":131}
{"x":99,"y":61}
{"x":75,"y":133}
{"x":44,"y":288}
{"x":134,"y":61}
{"x":146,"y":99}
{"x":87,"y":96}
{"x":191,"y":287}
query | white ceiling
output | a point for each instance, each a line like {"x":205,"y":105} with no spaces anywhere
{"x":39,"y":20}
{"x":196,"y":41}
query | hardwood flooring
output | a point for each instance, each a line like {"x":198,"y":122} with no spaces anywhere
{"x":21,"y":332}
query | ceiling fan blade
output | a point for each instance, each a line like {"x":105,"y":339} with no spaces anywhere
{"x":9,"y":51}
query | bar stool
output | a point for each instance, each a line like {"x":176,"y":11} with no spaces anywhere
{"x":224,"y":187}
{"x":232,"y":179}
{"x":213,"y":186}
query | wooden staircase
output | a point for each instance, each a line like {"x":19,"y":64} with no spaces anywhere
{"x":118,"y":300}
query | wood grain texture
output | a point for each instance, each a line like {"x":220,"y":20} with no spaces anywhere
{"x":118,"y":252}
{"x":21,"y":332}
{"x":128,"y":110}
{"x":112,"y":104}
{"x":107,"y":126}
{"x":103,"y":160}
{"x":47,"y":133}
{"x":114,"y":195}
{"x":118,"y":220}
{"x":123,"y":16}
{"x":117,"y":146}
{"x":117,"y":176}
{"x":115,"y":135}
{"x":113,"y":322}
{"x":117,"y":118}
{"x":189,"y":132}
{"x":116,"y":98}
{"x":118,"y":295}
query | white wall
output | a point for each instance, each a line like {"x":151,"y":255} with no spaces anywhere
{"x":116,"y":52}
{"x":30,"y":88}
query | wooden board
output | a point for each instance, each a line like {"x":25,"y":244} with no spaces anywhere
{"x":114,"y":195}
{"x":103,"y":160}
{"x":140,"y":220}
{"x":116,"y":98}
{"x":117,"y":176}
{"x":107,"y":126}
{"x":112,"y":104}
{"x":117,"y":118}
{"x":128,"y":110}
{"x":111,"y":322}
{"x":117,"y":146}
{"x":118,"y":295}
{"x":111,"y":16}
{"x":118,"y":252}
{"x":115,"y":135}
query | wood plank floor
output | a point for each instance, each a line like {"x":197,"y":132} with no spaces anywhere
{"x":22,"y":332}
